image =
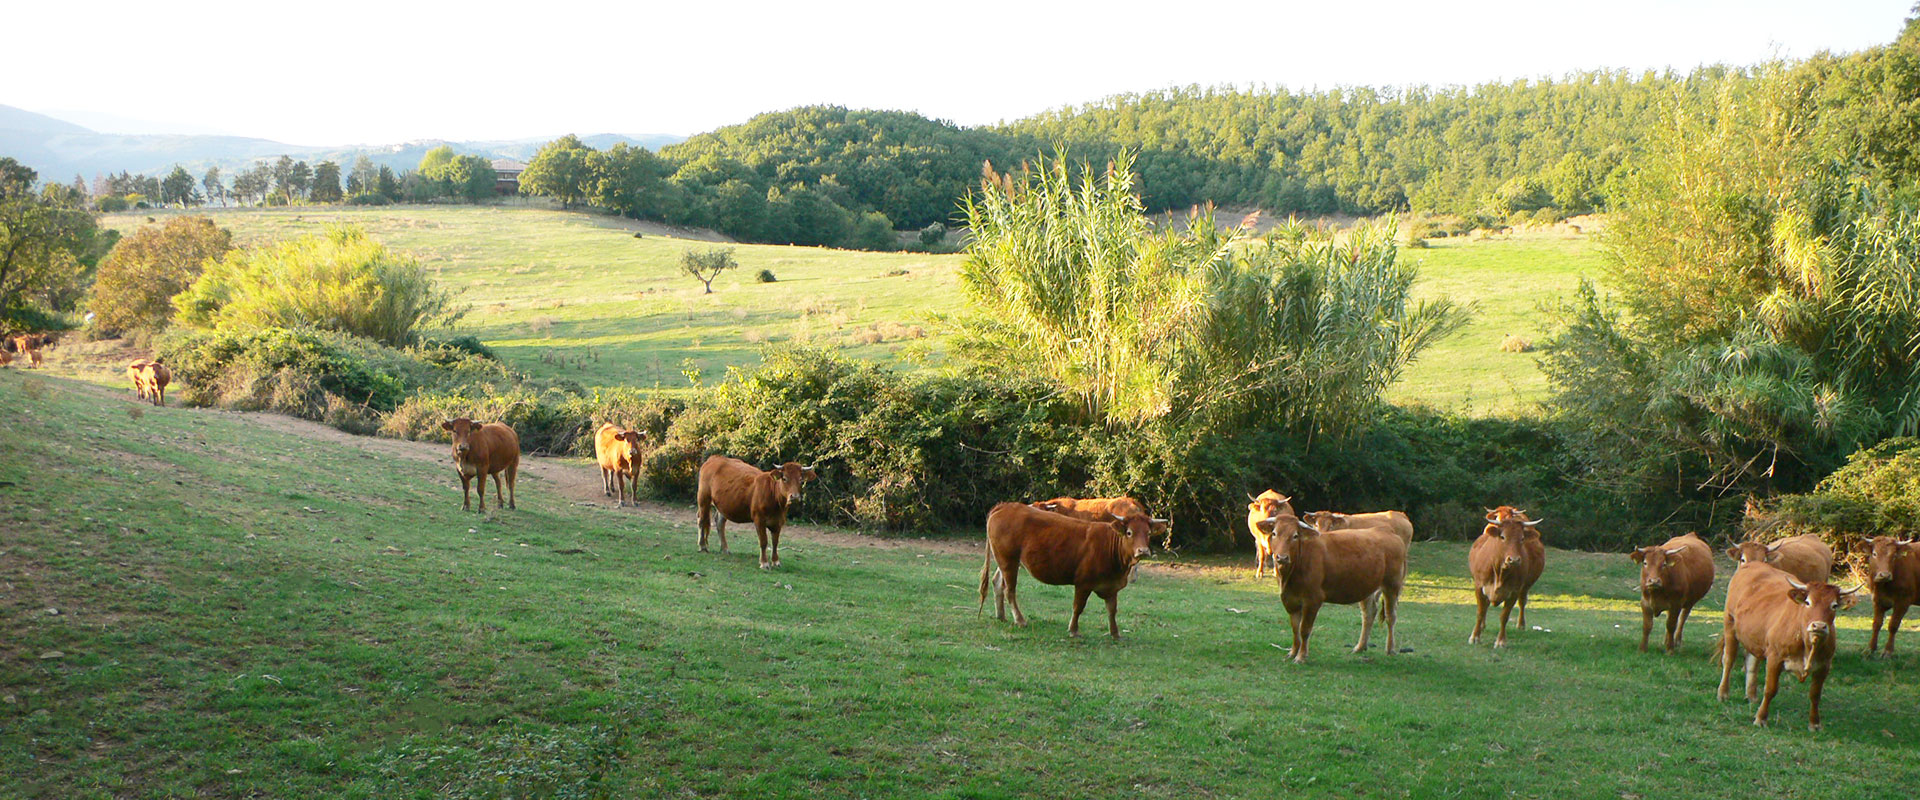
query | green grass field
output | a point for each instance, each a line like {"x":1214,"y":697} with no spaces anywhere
{"x":574,"y":295}
{"x":249,"y":606}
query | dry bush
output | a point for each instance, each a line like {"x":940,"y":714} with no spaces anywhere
{"x":1515,"y":344}
{"x":542,"y":325}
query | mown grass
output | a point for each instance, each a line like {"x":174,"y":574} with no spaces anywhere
{"x":245,"y":612}
{"x":574,"y":295}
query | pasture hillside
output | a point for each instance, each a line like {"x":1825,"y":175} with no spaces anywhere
{"x":574,"y":295}
{"x":217,"y":604}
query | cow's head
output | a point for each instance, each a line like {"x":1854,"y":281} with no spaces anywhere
{"x":1883,"y":554}
{"x":1754,"y":552}
{"x":1140,"y":529}
{"x":1511,"y":526}
{"x":1324,"y":520}
{"x":1656,"y":565}
{"x":632,"y":440}
{"x":1058,"y":505}
{"x":1285,"y":533}
{"x":792,"y":476}
{"x":462,"y":430}
{"x":1822,"y":600}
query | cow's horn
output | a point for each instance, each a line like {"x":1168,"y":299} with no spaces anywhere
{"x":1251,"y":498}
{"x":1285,"y":499}
{"x":1531,"y":523}
{"x":1117,"y":516}
{"x":808,"y":468}
{"x":1903,"y":542}
{"x":1304,"y":525}
{"x":1158,"y":521}
{"x":1855,"y":590}
{"x":1676,"y":551}
{"x":1774,"y":546}
{"x":1796,"y":584}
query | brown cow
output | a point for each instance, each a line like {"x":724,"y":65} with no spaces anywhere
{"x":482,"y":450}
{"x":1394,"y":521}
{"x":1095,"y":557}
{"x":742,"y":492}
{"x":150,"y":379}
{"x":1268,"y":505}
{"x":1804,"y":557}
{"x":618,"y":450}
{"x":1505,"y":561}
{"x":1894,"y":565}
{"x":6,"y":356}
{"x":1093,"y":509}
{"x":1673,"y":577}
{"x":137,"y":375}
{"x":1790,"y":624}
{"x":28,"y":346}
{"x":1362,"y":565}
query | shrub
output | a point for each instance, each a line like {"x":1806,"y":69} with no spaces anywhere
{"x":766,"y":276}
{"x":299,"y":372}
{"x":1876,"y":493}
{"x":108,"y":204}
{"x":139,"y":278}
{"x":933,"y":234}
{"x":340,"y":280}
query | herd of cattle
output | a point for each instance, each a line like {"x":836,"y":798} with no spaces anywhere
{"x":24,"y":346}
{"x":1779,"y":610}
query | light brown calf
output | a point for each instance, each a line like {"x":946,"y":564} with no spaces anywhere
{"x":1096,"y":558}
{"x":150,"y":379}
{"x":1790,"y":624}
{"x":482,"y":450}
{"x":742,"y":492}
{"x":1268,"y":505}
{"x":1505,"y":561}
{"x":1394,"y":521}
{"x":1804,"y":557}
{"x":28,"y":346}
{"x":1673,"y":577}
{"x":618,"y":450}
{"x":1362,"y":565}
{"x":1894,"y":566}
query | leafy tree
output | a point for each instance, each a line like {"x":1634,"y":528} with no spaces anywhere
{"x":216,"y":188}
{"x":283,"y":176}
{"x":179,"y":188}
{"x":299,"y":181}
{"x":385,"y":184}
{"x":46,"y":239}
{"x":139,"y":278}
{"x":364,"y":178}
{"x":560,"y":170}
{"x":707,"y":264}
{"x":326,"y":183}
{"x":471,"y":178}
{"x":341,"y":280}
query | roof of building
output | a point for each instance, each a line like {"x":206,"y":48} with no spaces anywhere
{"x":508,"y":165}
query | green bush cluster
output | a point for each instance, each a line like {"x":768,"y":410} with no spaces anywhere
{"x":1877,"y":493}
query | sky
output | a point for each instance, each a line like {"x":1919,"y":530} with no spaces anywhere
{"x":359,"y":72}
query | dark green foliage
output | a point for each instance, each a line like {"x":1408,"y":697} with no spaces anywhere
{"x":1877,"y":493}
{"x":705,"y":265}
{"x":766,"y":276}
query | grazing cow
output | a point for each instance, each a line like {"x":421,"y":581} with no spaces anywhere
{"x":618,"y":450}
{"x":1393,"y":521}
{"x":1790,"y":624}
{"x":1361,"y":565}
{"x":1094,"y":557}
{"x":1094,"y":509}
{"x":28,"y":346}
{"x":482,"y":450}
{"x":1894,"y":565}
{"x":150,"y":379}
{"x":1804,"y":557}
{"x":1673,"y":577}
{"x":742,"y":492}
{"x":1267,"y":506}
{"x":1505,"y":561}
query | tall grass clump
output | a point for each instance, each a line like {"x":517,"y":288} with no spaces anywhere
{"x":340,"y":280}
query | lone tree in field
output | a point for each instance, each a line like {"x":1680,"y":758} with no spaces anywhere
{"x":708,"y":264}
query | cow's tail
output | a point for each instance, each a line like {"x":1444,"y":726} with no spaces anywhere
{"x":984,"y":572}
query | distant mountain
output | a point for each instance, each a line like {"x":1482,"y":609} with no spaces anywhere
{"x":59,"y":150}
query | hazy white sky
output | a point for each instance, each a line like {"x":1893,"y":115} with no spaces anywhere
{"x":371,"y":72}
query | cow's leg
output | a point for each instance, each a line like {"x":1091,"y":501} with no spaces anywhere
{"x":466,"y":492}
{"x":1819,"y":682}
{"x":1523,"y":611}
{"x":1873,"y":643}
{"x":1728,"y":646}
{"x":1646,"y":624}
{"x":1753,"y":676}
{"x":1112,"y":596}
{"x":513,"y":477}
{"x":1000,"y":593}
{"x":606,"y":484}
{"x":1012,"y":583}
{"x":706,"y":519}
{"x":1673,"y":628}
{"x":1774,"y":663}
{"x":1390,"y":602}
{"x":1293,"y":624}
{"x":760,"y":530}
{"x":1306,"y":631}
{"x":1367,"y":607}
{"x":773,"y":531}
{"x":1079,"y":604}
{"x":636,"y":487}
{"x":1261,"y":557}
{"x":1480,"y":618}
{"x":720,"y":523}
{"x":620,"y":479}
{"x":1505,"y":611}
{"x":1893,"y":626}
{"x":1680,"y":633}
{"x":499,"y":493}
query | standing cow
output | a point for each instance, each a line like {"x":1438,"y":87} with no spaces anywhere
{"x":1894,"y":565}
{"x":1095,"y":509}
{"x":1771,"y":616}
{"x":618,"y":451}
{"x":1673,"y":577}
{"x":150,"y":379}
{"x":742,"y":492}
{"x":1313,"y":568}
{"x":1505,"y":561}
{"x":28,"y":346}
{"x":1096,"y":558}
{"x":482,"y":450}
{"x":1804,"y":557}
{"x":1268,"y":505}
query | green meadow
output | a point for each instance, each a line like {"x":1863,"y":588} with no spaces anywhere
{"x":204,"y":603}
{"x":574,"y":295}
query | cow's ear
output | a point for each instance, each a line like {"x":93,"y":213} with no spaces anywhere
{"x":1639,"y":556}
{"x":1849,"y":597}
{"x":1734,"y":553}
{"x":446,"y":426}
{"x":1159,"y":525}
{"x":1798,"y":594}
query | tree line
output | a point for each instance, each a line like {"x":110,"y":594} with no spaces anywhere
{"x":442,"y":176}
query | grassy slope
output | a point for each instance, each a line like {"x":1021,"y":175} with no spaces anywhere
{"x":575,"y":295}
{"x":249,"y":613}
